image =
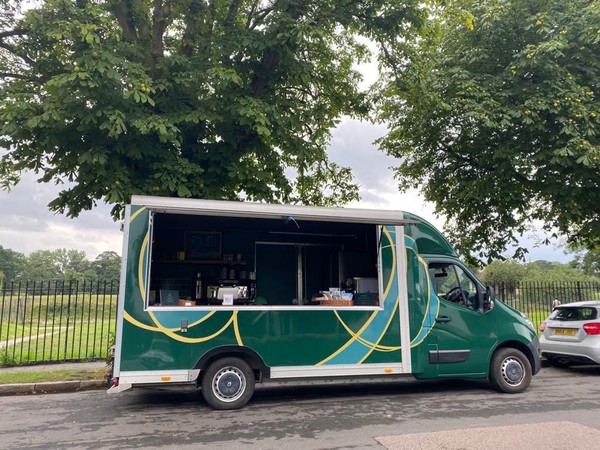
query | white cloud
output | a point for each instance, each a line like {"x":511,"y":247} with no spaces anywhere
{"x":27,"y":225}
{"x":353,"y":145}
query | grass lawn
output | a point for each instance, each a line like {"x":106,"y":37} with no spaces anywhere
{"x":77,"y":341}
{"x":13,"y":330}
{"x":40,"y":376}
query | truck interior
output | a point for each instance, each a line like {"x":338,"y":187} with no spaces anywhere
{"x":199,"y":260}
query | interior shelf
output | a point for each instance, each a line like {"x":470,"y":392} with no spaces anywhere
{"x":200,"y":261}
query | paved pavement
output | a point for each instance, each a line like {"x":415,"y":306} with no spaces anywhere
{"x":54,"y":386}
{"x":546,"y":435}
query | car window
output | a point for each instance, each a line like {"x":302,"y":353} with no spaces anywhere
{"x":453,"y":284}
{"x":574,"y":313}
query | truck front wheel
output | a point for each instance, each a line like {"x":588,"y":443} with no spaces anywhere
{"x":228,"y":383}
{"x":510,"y":371}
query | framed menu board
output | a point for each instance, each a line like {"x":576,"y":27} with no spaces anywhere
{"x":202,"y":245}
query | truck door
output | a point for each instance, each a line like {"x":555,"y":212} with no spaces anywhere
{"x":464,"y":332}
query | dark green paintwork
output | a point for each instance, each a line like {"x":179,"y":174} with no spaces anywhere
{"x":428,"y":239}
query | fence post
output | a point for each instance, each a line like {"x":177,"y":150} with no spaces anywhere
{"x":4,"y":289}
{"x":68,"y":318}
{"x":20,"y":308}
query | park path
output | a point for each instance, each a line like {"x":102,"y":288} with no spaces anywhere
{"x":30,"y":338}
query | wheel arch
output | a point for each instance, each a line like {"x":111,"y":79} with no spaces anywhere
{"x":523,"y":348}
{"x":253,"y":359}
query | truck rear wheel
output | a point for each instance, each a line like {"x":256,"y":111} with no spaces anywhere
{"x":510,"y":371}
{"x":228,"y":383}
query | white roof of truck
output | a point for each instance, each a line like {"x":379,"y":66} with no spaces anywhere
{"x":269,"y":211}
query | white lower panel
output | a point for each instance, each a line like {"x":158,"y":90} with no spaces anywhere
{"x":336,"y":370}
{"x":158,"y":376}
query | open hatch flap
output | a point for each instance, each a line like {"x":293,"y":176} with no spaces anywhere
{"x":272,"y":211}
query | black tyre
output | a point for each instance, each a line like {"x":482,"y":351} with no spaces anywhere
{"x":228,"y":383}
{"x":559,"y":362}
{"x":510,"y":371}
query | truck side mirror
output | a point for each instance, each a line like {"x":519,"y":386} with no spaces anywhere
{"x":488,"y":303}
{"x":486,"y":298}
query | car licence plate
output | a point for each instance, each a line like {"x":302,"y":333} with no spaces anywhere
{"x":564,"y":332}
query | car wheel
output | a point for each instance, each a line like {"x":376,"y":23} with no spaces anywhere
{"x":559,"y":362}
{"x":228,"y":383}
{"x":510,"y":371}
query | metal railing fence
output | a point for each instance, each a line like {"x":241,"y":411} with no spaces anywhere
{"x":52,"y":321}
{"x":535,"y":298}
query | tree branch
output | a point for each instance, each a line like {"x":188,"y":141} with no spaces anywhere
{"x":160,"y":20}
{"x":260,"y":16}
{"x":18,"y":76}
{"x":122,"y":12}
{"x":270,"y":60}
{"x":15,"y":32}
{"x":390,"y":59}
{"x":12,"y":50}
{"x":251,"y":13}
{"x":234,"y":7}
{"x":210,"y":26}
{"x":190,"y":28}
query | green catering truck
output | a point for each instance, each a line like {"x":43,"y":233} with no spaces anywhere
{"x":223,"y":295}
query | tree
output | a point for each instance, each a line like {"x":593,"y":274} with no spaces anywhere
{"x":61,"y":264}
{"x":41,"y":265}
{"x":513,"y":272}
{"x":588,"y":262}
{"x":218,"y":99}
{"x":555,"y":273}
{"x":12,"y":264}
{"x":106,"y":266}
{"x":494,"y":114}
{"x":504,"y":272}
{"x":71,"y":264}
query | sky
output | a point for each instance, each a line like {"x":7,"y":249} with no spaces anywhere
{"x":27,"y":225}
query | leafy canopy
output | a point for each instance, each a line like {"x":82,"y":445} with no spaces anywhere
{"x":495,"y":116}
{"x":511,"y":273}
{"x":222,"y":99}
{"x":12,"y":263}
{"x":60,"y":264}
{"x":588,"y":262}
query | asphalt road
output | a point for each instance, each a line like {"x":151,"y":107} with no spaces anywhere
{"x":367,"y":416}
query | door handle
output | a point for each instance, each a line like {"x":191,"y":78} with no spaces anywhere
{"x":443,"y":319}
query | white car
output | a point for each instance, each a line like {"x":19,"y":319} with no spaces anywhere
{"x":571,"y":334}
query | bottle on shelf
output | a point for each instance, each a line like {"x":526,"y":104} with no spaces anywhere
{"x":199,"y":291}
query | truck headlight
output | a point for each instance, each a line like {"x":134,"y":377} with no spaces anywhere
{"x":528,"y":320}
